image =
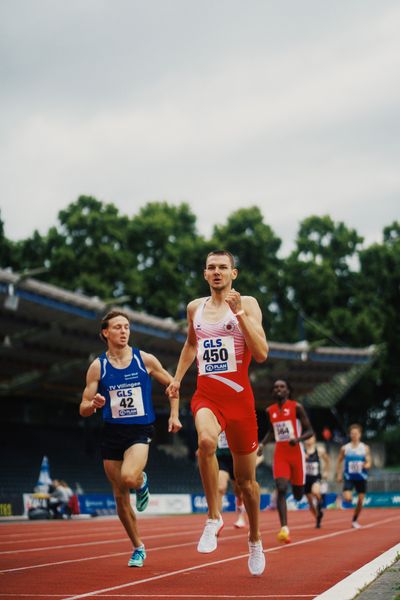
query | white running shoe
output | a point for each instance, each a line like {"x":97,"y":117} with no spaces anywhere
{"x":355,"y":525}
{"x":208,"y":540}
{"x":256,"y":558}
{"x":240,"y":523}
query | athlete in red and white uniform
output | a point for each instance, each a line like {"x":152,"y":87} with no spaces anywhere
{"x":223,"y":383}
{"x":289,"y":426}
{"x":224,"y":332}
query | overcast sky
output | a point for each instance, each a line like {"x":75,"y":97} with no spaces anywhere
{"x":290,"y":105}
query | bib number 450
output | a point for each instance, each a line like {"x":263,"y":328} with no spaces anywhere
{"x":215,"y":355}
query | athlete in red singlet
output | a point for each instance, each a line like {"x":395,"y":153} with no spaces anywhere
{"x":289,"y":426}
{"x":224,"y":332}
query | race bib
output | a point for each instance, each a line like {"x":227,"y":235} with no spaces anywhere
{"x":283,"y":431}
{"x":356,"y":466}
{"x":312,"y":468}
{"x":216,"y":355}
{"x":127,"y":402}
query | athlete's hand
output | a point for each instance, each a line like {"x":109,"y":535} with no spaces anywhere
{"x":234,"y":301}
{"x":98,"y":401}
{"x":293,"y":441}
{"x":172,"y":390}
{"x":174,"y":425}
{"x":339,"y":478}
{"x":260,"y":450}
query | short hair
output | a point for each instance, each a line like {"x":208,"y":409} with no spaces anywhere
{"x":356,"y":426}
{"x":288,"y":385}
{"x":107,"y":318}
{"x":223,"y":253}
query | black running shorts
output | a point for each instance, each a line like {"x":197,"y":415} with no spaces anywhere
{"x":117,"y":438}
{"x":359,"y":485}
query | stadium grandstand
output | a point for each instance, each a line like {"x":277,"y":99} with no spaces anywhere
{"x":48,"y":338}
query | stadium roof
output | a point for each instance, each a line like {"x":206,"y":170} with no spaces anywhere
{"x":50,"y":335}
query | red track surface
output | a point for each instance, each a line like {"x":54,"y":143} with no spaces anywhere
{"x":69,"y":559}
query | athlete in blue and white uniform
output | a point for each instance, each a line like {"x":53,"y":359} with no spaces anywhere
{"x":354,"y":461}
{"x":119,"y":382}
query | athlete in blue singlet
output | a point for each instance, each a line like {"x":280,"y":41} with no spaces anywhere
{"x":119,"y":382}
{"x":354,"y":461}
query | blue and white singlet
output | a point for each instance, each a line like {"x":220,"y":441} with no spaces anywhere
{"x":354,"y":460}
{"x":127,"y":392}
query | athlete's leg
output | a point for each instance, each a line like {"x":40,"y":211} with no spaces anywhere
{"x":281,"y":488}
{"x":298,"y":492}
{"x":208,"y":429}
{"x":359,"y":506}
{"x":316,"y":492}
{"x":310,"y":499}
{"x":240,"y":507}
{"x":135,"y":459}
{"x":121,"y":493}
{"x":347,"y":495}
{"x":297,"y":474}
{"x":223,"y":480}
{"x":238,"y":494}
{"x":245,"y":477}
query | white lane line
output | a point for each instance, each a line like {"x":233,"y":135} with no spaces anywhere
{"x":225,"y":560}
{"x":351,"y":585}
{"x":110,"y":555}
{"x":109,"y":531}
{"x":95,"y":543}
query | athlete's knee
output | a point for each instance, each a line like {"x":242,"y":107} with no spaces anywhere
{"x":247,"y":486}
{"x":132,"y":480}
{"x":281,"y":486}
{"x":207,"y":443}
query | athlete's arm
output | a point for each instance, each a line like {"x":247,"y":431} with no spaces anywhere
{"x":249,"y":315}
{"x":188,"y":353}
{"x":368,"y":458}
{"x":339,"y":468}
{"x":307,"y":430}
{"x":156,"y":370}
{"x":91,"y":400}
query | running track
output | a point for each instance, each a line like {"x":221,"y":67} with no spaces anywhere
{"x":88,"y":559}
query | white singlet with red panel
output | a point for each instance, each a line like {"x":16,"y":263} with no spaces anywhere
{"x":222,"y":354}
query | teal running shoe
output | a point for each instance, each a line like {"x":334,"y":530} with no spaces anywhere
{"x":142,"y":495}
{"x":137,"y":558}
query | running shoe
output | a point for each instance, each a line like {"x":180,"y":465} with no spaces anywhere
{"x":208,"y":540}
{"x":142,"y":495}
{"x":137,"y":558}
{"x":241,"y":522}
{"x":284,"y":536}
{"x":355,"y":525}
{"x":256,"y":561}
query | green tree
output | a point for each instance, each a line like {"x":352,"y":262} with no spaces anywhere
{"x":379,"y":299}
{"x":321,"y":279}
{"x":169,"y":251}
{"x":87,"y":251}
